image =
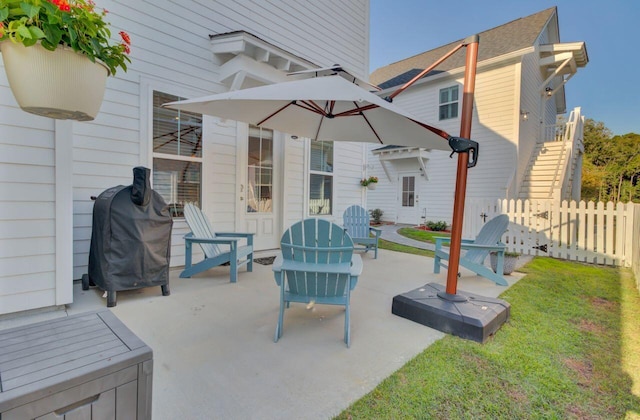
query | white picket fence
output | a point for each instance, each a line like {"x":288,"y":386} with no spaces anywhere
{"x":589,"y":232}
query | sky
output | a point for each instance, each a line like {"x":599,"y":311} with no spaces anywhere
{"x":607,"y":89}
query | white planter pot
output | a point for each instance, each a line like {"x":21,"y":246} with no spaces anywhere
{"x":509,"y":263}
{"x":372,"y":185}
{"x":59,"y":84}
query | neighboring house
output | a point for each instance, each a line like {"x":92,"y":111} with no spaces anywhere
{"x":245,"y":179}
{"x":520,"y":91}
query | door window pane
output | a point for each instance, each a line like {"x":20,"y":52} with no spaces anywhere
{"x":260,"y":170}
{"x":408,"y":191}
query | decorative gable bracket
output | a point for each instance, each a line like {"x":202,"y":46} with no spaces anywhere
{"x":389,"y":154}
{"x":247,"y":61}
{"x":560,"y":62}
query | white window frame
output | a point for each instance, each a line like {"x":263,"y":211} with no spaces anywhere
{"x":171,"y":90}
{"x":448,"y":103}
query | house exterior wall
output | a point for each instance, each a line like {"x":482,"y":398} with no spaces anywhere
{"x":494,"y":127}
{"x":170,"y":53}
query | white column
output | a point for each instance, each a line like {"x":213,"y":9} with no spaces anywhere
{"x":64,"y":210}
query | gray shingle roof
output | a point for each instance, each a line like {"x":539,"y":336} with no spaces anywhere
{"x":512,"y":36}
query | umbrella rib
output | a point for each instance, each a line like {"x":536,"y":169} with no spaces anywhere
{"x":435,"y":130}
{"x":277,"y":112}
{"x":312,"y":106}
{"x":369,"y":124}
{"x":357,"y":110}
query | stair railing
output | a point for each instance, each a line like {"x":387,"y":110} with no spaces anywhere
{"x":567,"y":134}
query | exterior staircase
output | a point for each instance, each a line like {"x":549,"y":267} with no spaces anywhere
{"x":554,"y":171}
{"x":542,"y":171}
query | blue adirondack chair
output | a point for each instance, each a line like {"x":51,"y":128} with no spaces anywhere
{"x":477,"y":250}
{"x":356,"y":222}
{"x":218,"y":247}
{"x":317,"y":264}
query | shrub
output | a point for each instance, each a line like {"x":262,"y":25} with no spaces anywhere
{"x":376,"y":215}
{"x":437,"y":226}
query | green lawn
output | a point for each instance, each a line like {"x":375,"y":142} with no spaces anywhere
{"x":570,"y":350}
{"x":421,"y":235}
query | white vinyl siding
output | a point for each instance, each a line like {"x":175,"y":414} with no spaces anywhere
{"x":492,"y":127}
{"x":170,"y":49}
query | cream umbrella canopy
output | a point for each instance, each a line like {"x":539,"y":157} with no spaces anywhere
{"x":321,"y":108}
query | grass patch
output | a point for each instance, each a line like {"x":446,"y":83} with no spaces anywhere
{"x":421,"y":235}
{"x":570,"y":350}
{"x":392,"y":246}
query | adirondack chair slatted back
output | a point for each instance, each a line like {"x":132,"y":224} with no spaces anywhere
{"x":490,"y":234}
{"x":201,"y":228}
{"x":356,"y":221}
{"x":318,"y":242}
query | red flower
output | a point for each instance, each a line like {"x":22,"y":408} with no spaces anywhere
{"x":62,"y":5}
{"x":125,"y":37}
{"x":127,"y":50}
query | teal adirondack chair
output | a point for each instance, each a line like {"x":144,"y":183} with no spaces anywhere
{"x":218,"y":247}
{"x":317,"y":264}
{"x":356,"y":222}
{"x":477,"y":250}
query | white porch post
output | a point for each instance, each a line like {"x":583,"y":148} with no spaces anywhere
{"x":64,"y":211}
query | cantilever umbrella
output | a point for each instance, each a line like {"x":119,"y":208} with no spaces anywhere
{"x":321,"y":108}
{"x":335,"y":107}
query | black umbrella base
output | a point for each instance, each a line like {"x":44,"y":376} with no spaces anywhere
{"x":464,"y":314}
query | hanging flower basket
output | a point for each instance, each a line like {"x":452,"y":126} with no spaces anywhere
{"x":60,"y":84}
{"x":372,"y":185}
{"x":57,"y":55}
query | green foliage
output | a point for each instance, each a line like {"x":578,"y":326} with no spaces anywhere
{"x":568,"y":351}
{"x":437,"y":226}
{"x":72,"y":23}
{"x":611,"y":165}
{"x":371,"y":180}
{"x":376,"y":215}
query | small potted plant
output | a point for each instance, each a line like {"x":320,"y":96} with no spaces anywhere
{"x":370,"y":182}
{"x":376,"y":215}
{"x":43,"y":39}
{"x":510,"y":260}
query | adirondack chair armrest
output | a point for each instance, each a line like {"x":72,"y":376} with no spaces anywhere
{"x":190,"y":238}
{"x":440,"y":240}
{"x":376,"y":231}
{"x":232,"y":234}
{"x":496,"y":247}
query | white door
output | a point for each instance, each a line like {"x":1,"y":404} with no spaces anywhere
{"x":408,"y":198}
{"x":260,"y":195}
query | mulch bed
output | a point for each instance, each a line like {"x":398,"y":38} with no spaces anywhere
{"x":264,"y":260}
{"x":422,"y":227}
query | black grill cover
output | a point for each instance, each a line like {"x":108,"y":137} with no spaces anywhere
{"x":131,"y":237}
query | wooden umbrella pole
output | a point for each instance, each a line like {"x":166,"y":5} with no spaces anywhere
{"x":463,"y":160}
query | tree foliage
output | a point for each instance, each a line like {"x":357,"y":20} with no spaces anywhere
{"x":611,"y":164}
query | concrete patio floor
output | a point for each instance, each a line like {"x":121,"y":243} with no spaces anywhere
{"x":214,"y":355}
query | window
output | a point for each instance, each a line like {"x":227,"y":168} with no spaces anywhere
{"x":177,"y":154}
{"x":320,"y":178}
{"x":408,"y":191}
{"x":448,"y":103}
{"x":260,"y":170}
